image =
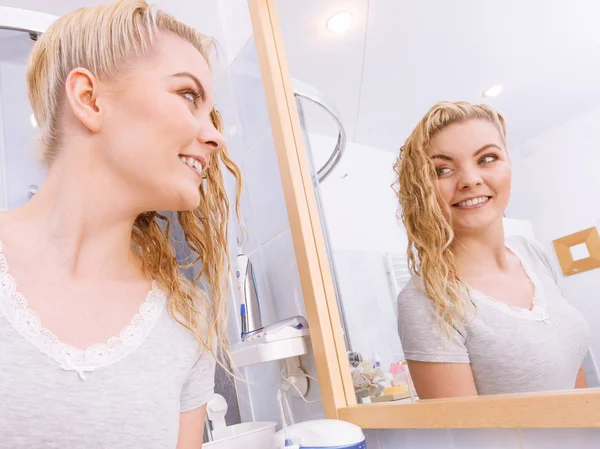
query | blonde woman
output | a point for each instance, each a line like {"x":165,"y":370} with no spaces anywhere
{"x":482,"y":314}
{"x":103,"y":343}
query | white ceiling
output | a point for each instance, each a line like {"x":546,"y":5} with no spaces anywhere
{"x":401,"y":56}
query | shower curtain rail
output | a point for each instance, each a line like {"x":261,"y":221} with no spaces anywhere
{"x":306,"y":92}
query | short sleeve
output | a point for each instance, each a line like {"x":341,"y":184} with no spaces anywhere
{"x":421,"y":335}
{"x":535,"y":253}
{"x":539,"y":250}
{"x":199,"y":387}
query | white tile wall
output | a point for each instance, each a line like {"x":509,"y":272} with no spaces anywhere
{"x":235,"y":20}
{"x":199,"y":14}
{"x":284,"y":283}
{"x":372,"y":437}
{"x":263,"y":382}
{"x":245,"y":400}
{"x":267,"y":311}
{"x":560,"y":438}
{"x":251,"y":103}
{"x":251,"y":237}
{"x":314,"y":410}
{"x":269,"y":246}
{"x":226,"y":104}
{"x":484,"y":438}
{"x":264,"y":189}
{"x":429,"y":439}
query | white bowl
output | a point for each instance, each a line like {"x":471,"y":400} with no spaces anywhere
{"x":248,"y":435}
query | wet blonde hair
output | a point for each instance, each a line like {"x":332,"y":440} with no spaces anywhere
{"x":105,"y":40}
{"x":430,"y":235}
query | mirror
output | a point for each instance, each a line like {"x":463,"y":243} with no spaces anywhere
{"x":508,"y":318}
{"x":19,"y":173}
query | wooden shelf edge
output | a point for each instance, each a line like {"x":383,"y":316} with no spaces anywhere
{"x":563,"y":409}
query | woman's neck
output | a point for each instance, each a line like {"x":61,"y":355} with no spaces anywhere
{"x":78,"y":218}
{"x":481,"y":252}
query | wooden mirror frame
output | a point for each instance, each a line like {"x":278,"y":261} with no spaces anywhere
{"x":567,"y":409}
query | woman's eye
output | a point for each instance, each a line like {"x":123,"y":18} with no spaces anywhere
{"x":487,"y":159}
{"x":190,"y":96}
{"x":441,"y":171}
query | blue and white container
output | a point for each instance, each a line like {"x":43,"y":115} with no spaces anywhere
{"x":321,"y":434}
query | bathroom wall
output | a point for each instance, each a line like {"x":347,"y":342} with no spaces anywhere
{"x":240,"y":98}
{"x":363,"y":178}
{"x":570,"y":153}
{"x":483,"y":439}
{"x":235,"y":22}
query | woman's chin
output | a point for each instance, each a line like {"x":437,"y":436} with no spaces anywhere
{"x":481,"y":224}
{"x":191,"y":201}
{"x":183,"y":200}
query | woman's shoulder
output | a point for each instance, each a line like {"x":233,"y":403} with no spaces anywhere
{"x":414,"y":299}
{"x":526,"y":244}
{"x":532,"y":251}
{"x":413,"y":288}
{"x":173,"y":328}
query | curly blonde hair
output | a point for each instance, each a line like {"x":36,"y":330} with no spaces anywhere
{"x":102,"y":39}
{"x":430,"y":234}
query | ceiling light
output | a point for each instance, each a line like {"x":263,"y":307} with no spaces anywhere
{"x":493,"y":91}
{"x":339,"y":22}
{"x":33,"y":120}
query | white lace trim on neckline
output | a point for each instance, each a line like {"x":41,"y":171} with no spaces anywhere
{"x":538,"y":310}
{"x":13,"y":306}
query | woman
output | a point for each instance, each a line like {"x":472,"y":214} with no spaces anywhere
{"x":482,"y":315}
{"x":103,"y":343}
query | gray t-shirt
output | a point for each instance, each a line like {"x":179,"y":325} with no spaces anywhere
{"x":511,"y":350}
{"x":127,"y":393}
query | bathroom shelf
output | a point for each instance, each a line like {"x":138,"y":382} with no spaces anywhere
{"x":258,"y":351}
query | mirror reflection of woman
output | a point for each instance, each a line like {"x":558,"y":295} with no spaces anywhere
{"x":103,"y":341}
{"x":483,"y":314}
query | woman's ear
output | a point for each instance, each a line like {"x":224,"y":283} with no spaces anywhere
{"x":81,"y":88}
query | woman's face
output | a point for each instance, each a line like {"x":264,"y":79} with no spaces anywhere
{"x":474,"y":174}
{"x":157,"y":136}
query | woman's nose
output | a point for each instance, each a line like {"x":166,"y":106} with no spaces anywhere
{"x":469,"y":178}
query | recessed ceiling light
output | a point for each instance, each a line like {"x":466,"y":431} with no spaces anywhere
{"x":493,"y":91}
{"x":33,"y":120}
{"x":339,"y":22}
